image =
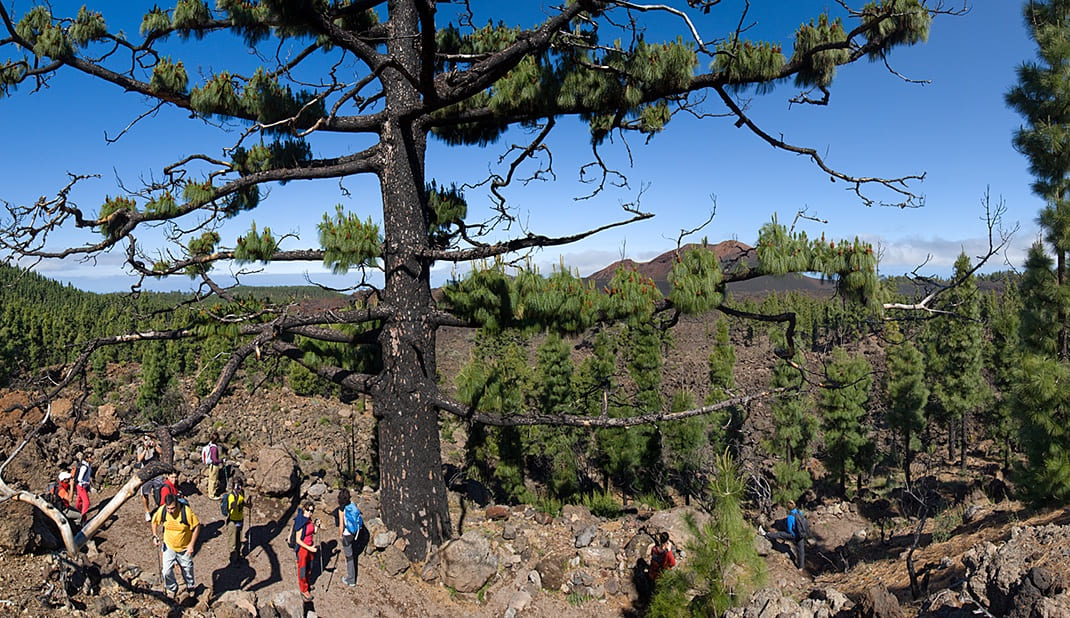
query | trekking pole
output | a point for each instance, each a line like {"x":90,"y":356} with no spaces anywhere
{"x":330,"y":578}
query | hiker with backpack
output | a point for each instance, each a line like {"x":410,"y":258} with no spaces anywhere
{"x":303,"y":540}
{"x":232,"y":506}
{"x":797,"y":530}
{"x":151,"y":491}
{"x":179,"y":527}
{"x":350,"y":526}
{"x":169,"y":487}
{"x":83,"y":479}
{"x":660,"y":557}
{"x":58,"y":492}
{"x":213,"y":466}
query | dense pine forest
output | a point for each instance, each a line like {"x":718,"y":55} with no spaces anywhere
{"x":859,"y":394}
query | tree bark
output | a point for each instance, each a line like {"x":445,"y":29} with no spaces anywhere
{"x":412,"y":488}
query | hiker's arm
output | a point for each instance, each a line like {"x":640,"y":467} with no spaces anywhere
{"x":193,"y":540}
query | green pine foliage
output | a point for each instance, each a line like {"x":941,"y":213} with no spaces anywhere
{"x":1042,"y":400}
{"x":842,"y":406}
{"x":696,"y":281}
{"x":685,"y":448}
{"x":907,"y":392}
{"x":958,"y":388}
{"x":496,"y":379}
{"x":902,"y":22}
{"x":256,"y":247}
{"x":726,"y":424}
{"x":820,"y":65}
{"x":1002,"y":313}
{"x":348,"y":242}
{"x":553,"y":452}
{"x":723,"y":567}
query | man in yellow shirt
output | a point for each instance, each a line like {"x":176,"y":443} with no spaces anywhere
{"x":180,"y":528}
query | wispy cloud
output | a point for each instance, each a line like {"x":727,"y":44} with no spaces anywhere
{"x":937,"y":255}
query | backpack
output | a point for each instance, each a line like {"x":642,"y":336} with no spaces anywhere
{"x":181,"y":514}
{"x":354,"y":520}
{"x":224,"y":505}
{"x":802,"y":526}
{"x":300,"y":521}
{"x":208,"y":454}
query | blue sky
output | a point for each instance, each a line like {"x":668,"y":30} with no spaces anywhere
{"x":954,"y":128}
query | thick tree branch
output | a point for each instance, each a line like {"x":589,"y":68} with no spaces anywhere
{"x":572,"y":420}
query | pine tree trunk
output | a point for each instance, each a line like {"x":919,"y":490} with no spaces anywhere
{"x":962,"y":443}
{"x":951,"y":437}
{"x":907,"y":455}
{"x":1061,"y":274}
{"x":412,"y":488}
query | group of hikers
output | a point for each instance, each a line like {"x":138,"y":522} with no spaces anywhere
{"x":175,"y":527}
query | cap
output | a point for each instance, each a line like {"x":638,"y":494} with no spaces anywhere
{"x":63,"y":476}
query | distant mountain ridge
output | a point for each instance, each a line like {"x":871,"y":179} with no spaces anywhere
{"x":730,"y":253}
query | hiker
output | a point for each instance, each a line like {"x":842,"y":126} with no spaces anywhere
{"x":58,"y":493}
{"x":179,"y":527}
{"x":797,"y":529}
{"x":305,"y":544}
{"x":151,"y":495}
{"x":350,"y":524}
{"x":212,"y":466}
{"x":232,"y":506}
{"x":83,"y":478}
{"x":147,"y":451}
{"x":170,"y":487}
{"x":660,"y":557}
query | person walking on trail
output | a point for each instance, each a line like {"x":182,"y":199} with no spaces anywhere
{"x":174,"y":530}
{"x":797,"y":530}
{"x":151,"y":495}
{"x":660,"y":557}
{"x":232,"y":506}
{"x":305,"y":542}
{"x":213,"y":466}
{"x":350,"y":524}
{"x":83,"y":479}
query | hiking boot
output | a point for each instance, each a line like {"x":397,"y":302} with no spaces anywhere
{"x":306,"y":597}
{"x":761,"y":531}
{"x":148,"y":516}
{"x":346,"y":581}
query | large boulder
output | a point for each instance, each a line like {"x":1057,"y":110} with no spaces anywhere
{"x":468,"y":562}
{"x":878,"y":602}
{"x":16,"y":527}
{"x":674,"y":522}
{"x":275,"y":473}
{"x":235,"y":604}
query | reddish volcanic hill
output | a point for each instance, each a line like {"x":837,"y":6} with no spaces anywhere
{"x":729,"y":252}
{"x":658,"y":269}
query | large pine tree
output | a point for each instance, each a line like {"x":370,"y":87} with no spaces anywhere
{"x":346,"y":89}
{"x":1041,"y":97}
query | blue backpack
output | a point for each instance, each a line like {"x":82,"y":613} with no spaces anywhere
{"x":300,"y":521}
{"x":354,"y":520}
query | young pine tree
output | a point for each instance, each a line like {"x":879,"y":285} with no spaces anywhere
{"x":907,"y":392}
{"x":723,"y":567}
{"x":842,"y":405}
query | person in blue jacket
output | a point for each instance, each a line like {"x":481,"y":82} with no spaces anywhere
{"x":794,"y":531}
